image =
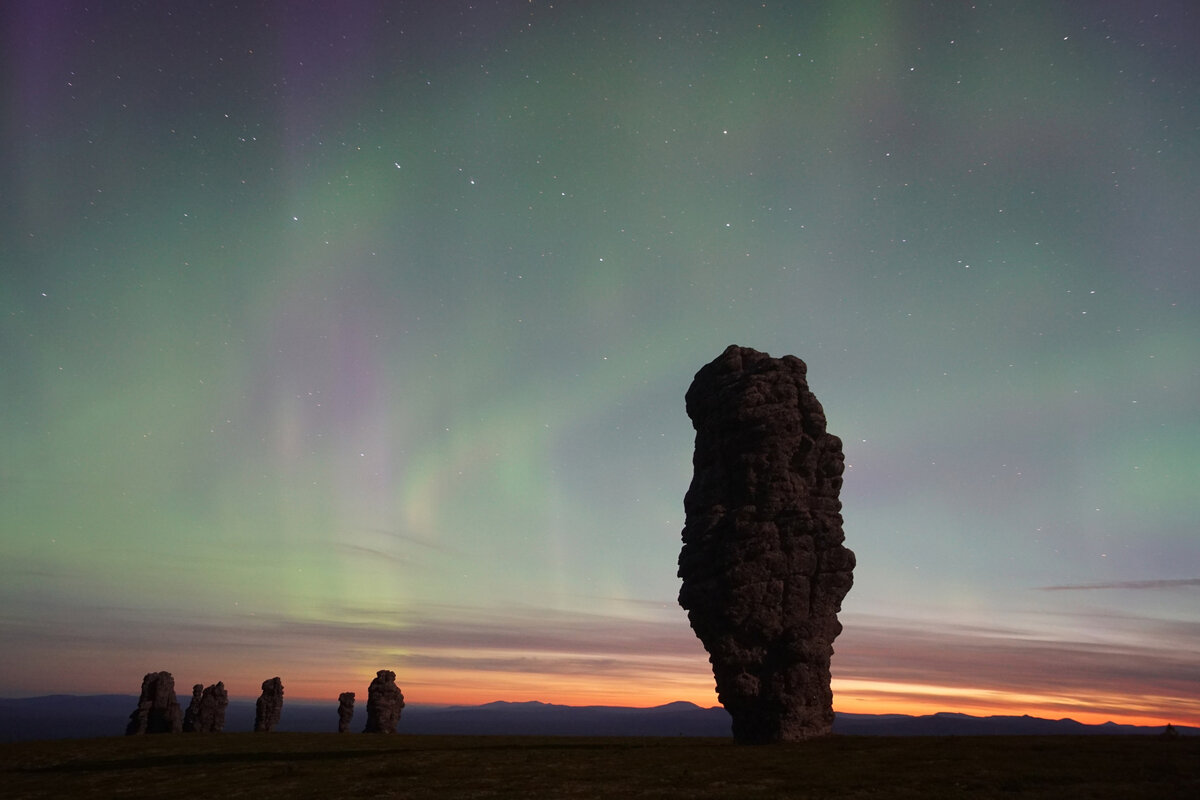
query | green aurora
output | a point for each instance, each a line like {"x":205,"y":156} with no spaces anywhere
{"x":344,"y":336}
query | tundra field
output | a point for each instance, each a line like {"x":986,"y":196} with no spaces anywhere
{"x":321,"y":765}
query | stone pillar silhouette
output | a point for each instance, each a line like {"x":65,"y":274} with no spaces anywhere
{"x":210,"y":717}
{"x":384,"y":703}
{"x":269,"y":706}
{"x":763,"y":563}
{"x":345,"y":711}
{"x":157,"y":709}
{"x":193,"y":709}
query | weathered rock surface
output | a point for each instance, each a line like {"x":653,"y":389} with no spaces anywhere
{"x":193,"y":709}
{"x":269,"y":706}
{"x":384,"y":703}
{"x":345,"y":711}
{"x":763,"y":563}
{"x":157,"y":709}
{"x":210,"y":716}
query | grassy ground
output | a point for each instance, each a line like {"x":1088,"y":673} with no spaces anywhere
{"x":303,"y":765}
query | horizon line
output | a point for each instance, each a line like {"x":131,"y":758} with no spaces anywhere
{"x":1133,"y":721}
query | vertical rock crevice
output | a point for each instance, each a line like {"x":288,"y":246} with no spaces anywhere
{"x":157,"y":710}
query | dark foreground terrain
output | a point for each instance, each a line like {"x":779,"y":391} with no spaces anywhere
{"x":299,"y":765}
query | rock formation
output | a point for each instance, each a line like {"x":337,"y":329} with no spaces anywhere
{"x":193,"y":709}
{"x":384,"y":703}
{"x":210,"y":717}
{"x":345,"y":711}
{"x":269,"y":706}
{"x":157,"y":709}
{"x":763,"y":565}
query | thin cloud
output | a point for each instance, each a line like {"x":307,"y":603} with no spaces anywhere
{"x":1136,"y":660}
{"x":964,"y":659}
{"x":420,"y":541}
{"x":1160,"y":584}
{"x":374,"y":554}
{"x":440,"y":628}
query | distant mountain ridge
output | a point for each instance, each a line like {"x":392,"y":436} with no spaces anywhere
{"x":954,"y":724}
{"x":85,"y":716}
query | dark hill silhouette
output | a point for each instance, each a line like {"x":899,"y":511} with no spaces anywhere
{"x":86,"y":716}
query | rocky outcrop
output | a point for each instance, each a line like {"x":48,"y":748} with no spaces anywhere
{"x":384,"y":703}
{"x":157,"y":709}
{"x":345,"y":711}
{"x":206,"y":713}
{"x":269,"y":706}
{"x":193,"y":709}
{"x":763,"y":563}
{"x":210,"y":716}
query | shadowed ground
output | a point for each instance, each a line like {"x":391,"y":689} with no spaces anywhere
{"x":300,"y":765}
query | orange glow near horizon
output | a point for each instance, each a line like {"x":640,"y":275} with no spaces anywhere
{"x":645,"y":682}
{"x":877,"y":697}
{"x":850,"y":696}
{"x":450,"y":687}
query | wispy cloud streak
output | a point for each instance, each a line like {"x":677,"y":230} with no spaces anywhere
{"x":1158,"y":584}
{"x":1163,"y":660}
{"x":1140,"y":663}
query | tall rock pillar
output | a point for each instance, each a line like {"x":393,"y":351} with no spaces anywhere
{"x":763,"y":563}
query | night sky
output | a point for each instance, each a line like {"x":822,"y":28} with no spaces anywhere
{"x":346,"y":336}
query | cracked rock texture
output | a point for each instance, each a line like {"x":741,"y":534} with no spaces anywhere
{"x":345,"y":711}
{"x":384,"y":703}
{"x":763,"y":563}
{"x":193,"y":709}
{"x":210,"y":716}
{"x":269,"y":706}
{"x":157,"y":710}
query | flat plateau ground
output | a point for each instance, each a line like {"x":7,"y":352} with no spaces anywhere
{"x":325,"y":765}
